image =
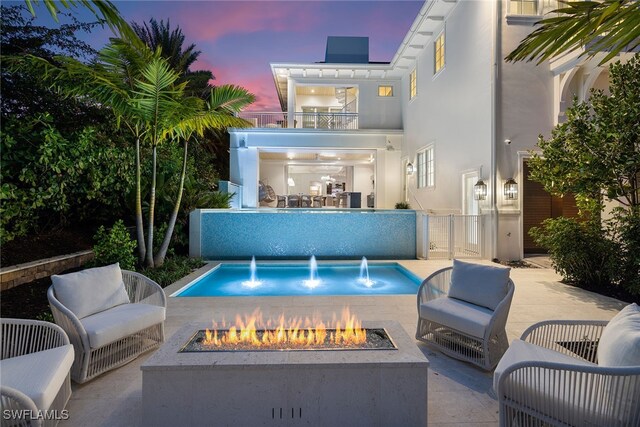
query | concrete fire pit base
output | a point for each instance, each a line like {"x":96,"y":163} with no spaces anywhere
{"x":351,"y":388}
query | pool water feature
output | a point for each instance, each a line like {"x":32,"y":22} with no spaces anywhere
{"x":364,"y":273}
{"x":278,"y":279}
{"x":253,"y":282}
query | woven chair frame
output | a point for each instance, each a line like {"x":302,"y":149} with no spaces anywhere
{"x":485,"y":352}
{"x":597,"y":395}
{"x":20,"y":337}
{"x":91,"y":362}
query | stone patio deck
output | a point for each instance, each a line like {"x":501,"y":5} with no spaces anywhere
{"x":459,"y":394}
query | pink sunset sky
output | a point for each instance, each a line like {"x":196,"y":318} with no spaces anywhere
{"x":238,"y":39}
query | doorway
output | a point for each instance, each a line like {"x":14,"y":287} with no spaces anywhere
{"x":538,"y":205}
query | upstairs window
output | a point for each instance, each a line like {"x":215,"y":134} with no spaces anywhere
{"x":413,"y":84}
{"x":438,"y":54}
{"x":426,"y":168}
{"x":385,"y":91}
{"x":523,"y":7}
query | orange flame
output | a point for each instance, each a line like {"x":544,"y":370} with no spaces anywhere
{"x":294,"y":333}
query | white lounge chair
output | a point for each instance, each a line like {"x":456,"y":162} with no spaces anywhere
{"x":110,"y":315}
{"x":34,"y":372}
{"x":462,"y":311}
{"x":573,"y":373}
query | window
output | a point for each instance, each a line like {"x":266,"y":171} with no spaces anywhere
{"x":426,"y":168}
{"x":385,"y":90}
{"x":438,"y":54}
{"x":523,"y":7}
{"x":413,"y":84}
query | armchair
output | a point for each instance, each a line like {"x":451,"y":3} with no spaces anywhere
{"x":462,"y":311}
{"x":35,"y":365}
{"x":570,"y":373}
{"x":110,"y":315}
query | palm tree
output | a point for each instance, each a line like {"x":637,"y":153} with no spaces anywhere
{"x":159,"y":35}
{"x":609,"y":26}
{"x":145,"y":94}
{"x":104,"y":10}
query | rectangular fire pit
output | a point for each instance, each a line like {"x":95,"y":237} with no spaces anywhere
{"x":238,"y":388}
{"x":376,"y":339}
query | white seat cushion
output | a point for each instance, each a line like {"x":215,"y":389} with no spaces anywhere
{"x":118,"y":322}
{"x":92,"y":290}
{"x":478,"y":284}
{"x":569,"y":401}
{"x":39,"y":375}
{"x":620,"y":341}
{"x":521,"y":351}
{"x":460,"y":315}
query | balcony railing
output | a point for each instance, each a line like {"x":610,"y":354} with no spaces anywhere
{"x":334,"y":121}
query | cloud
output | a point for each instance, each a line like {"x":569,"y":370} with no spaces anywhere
{"x":211,"y":21}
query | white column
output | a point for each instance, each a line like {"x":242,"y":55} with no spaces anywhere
{"x":291,"y":102}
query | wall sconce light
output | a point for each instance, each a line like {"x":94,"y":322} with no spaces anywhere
{"x":510,"y":189}
{"x":291,"y":182}
{"x":480,"y":190}
{"x":410,"y":168}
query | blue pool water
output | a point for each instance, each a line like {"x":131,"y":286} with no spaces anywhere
{"x":289,"y":280}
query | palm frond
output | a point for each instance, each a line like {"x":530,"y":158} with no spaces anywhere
{"x":610,"y":26}
{"x":157,"y":99}
{"x":229,"y":98}
{"x":104,"y":10}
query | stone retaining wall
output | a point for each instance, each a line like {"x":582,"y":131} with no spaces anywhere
{"x":27,"y":272}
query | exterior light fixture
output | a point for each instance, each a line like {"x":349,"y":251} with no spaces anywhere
{"x":291,"y":182}
{"x":511,"y":189}
{"x":410,"y":168}
{"x":480,"y":190}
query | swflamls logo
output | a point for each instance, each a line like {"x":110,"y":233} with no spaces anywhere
{"x":28,"y":414}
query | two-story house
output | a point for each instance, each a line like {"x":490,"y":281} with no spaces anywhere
{"x":446,"y":126}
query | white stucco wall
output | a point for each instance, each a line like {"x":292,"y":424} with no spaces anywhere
{"x":524,"y":111}
{"x":379,"y":112}
{"x":452,"y":110}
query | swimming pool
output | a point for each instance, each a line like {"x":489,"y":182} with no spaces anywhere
{"x":276,"y":279}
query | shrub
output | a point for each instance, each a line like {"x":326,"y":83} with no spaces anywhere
{"x":579,"y":251}
{"x":403,"y":205}
{"x":625,"y":229}
{"x":46,"y":316}
{"x":49,"y":180}
{"x":114,"y":246}
{"x":173,"y":269}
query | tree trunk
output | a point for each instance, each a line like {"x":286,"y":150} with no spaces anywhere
{"x":139,"y":224}
{"x":152,"y":204}
{"x":159,"y":258}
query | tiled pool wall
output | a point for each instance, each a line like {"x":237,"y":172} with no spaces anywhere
{"x":224,"y":234}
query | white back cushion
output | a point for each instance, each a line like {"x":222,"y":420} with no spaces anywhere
{"x":92,"y":290}
{"x":620,"y":341}
{"x":482,"y":285}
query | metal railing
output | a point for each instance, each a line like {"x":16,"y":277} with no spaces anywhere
{"x":334,"y":121}
{"x":449,"y":236}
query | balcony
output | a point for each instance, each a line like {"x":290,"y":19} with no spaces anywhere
{"x":329,"y":121}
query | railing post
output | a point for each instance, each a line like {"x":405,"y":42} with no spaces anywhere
{"x":451,"y":236}
{"x":427,"y":238}
{"x":291,"y":105}
{"x":480,"y":235}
